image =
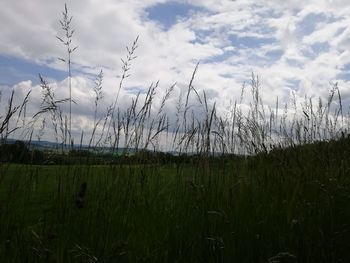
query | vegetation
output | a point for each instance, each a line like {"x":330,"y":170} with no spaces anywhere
{"x":257,"y":184}
{"x":291,"y":203}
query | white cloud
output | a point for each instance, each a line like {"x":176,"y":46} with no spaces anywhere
{"x":103,"y":29}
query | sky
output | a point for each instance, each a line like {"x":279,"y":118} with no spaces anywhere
{"x":296,"y":47}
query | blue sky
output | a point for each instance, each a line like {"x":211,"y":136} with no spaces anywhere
{"x":167,"y":14}
{"x":14,"y":70}
{"x":294,"y":46}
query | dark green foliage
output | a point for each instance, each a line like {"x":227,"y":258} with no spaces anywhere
{"x":17,"y":152}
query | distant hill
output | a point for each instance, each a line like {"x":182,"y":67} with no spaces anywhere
{"x":52,"y":146}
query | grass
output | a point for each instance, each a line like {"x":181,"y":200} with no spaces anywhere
{"x":258,"y":184}
{"x":244,"y":209}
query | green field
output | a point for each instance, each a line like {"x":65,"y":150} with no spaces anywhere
{"x":287,"y":206}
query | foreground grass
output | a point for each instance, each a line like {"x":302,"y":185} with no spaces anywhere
{"x":295,"y":201}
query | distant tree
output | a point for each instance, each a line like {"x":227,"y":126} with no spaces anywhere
{"x":37,"y":157}
{"x":17,"y":152}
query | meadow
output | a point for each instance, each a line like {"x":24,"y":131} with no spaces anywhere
{"x":256,"y":184}
{"x":286,"y":206}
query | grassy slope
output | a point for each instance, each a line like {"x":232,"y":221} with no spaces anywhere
{"x":244,"y":210}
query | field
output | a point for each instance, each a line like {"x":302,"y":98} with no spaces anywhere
{"x":286,"y":206}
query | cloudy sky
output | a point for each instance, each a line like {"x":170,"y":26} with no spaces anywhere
{"x":298,"y":46}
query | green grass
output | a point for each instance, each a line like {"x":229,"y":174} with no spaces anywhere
{"x":224,"y":210}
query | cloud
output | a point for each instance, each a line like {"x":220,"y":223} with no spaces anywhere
{"x":294,"y":46}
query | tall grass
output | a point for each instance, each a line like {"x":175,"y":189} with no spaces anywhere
{"x":250,"y":126}
{"x":288,"y":204}
{"x":67,"y":42}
